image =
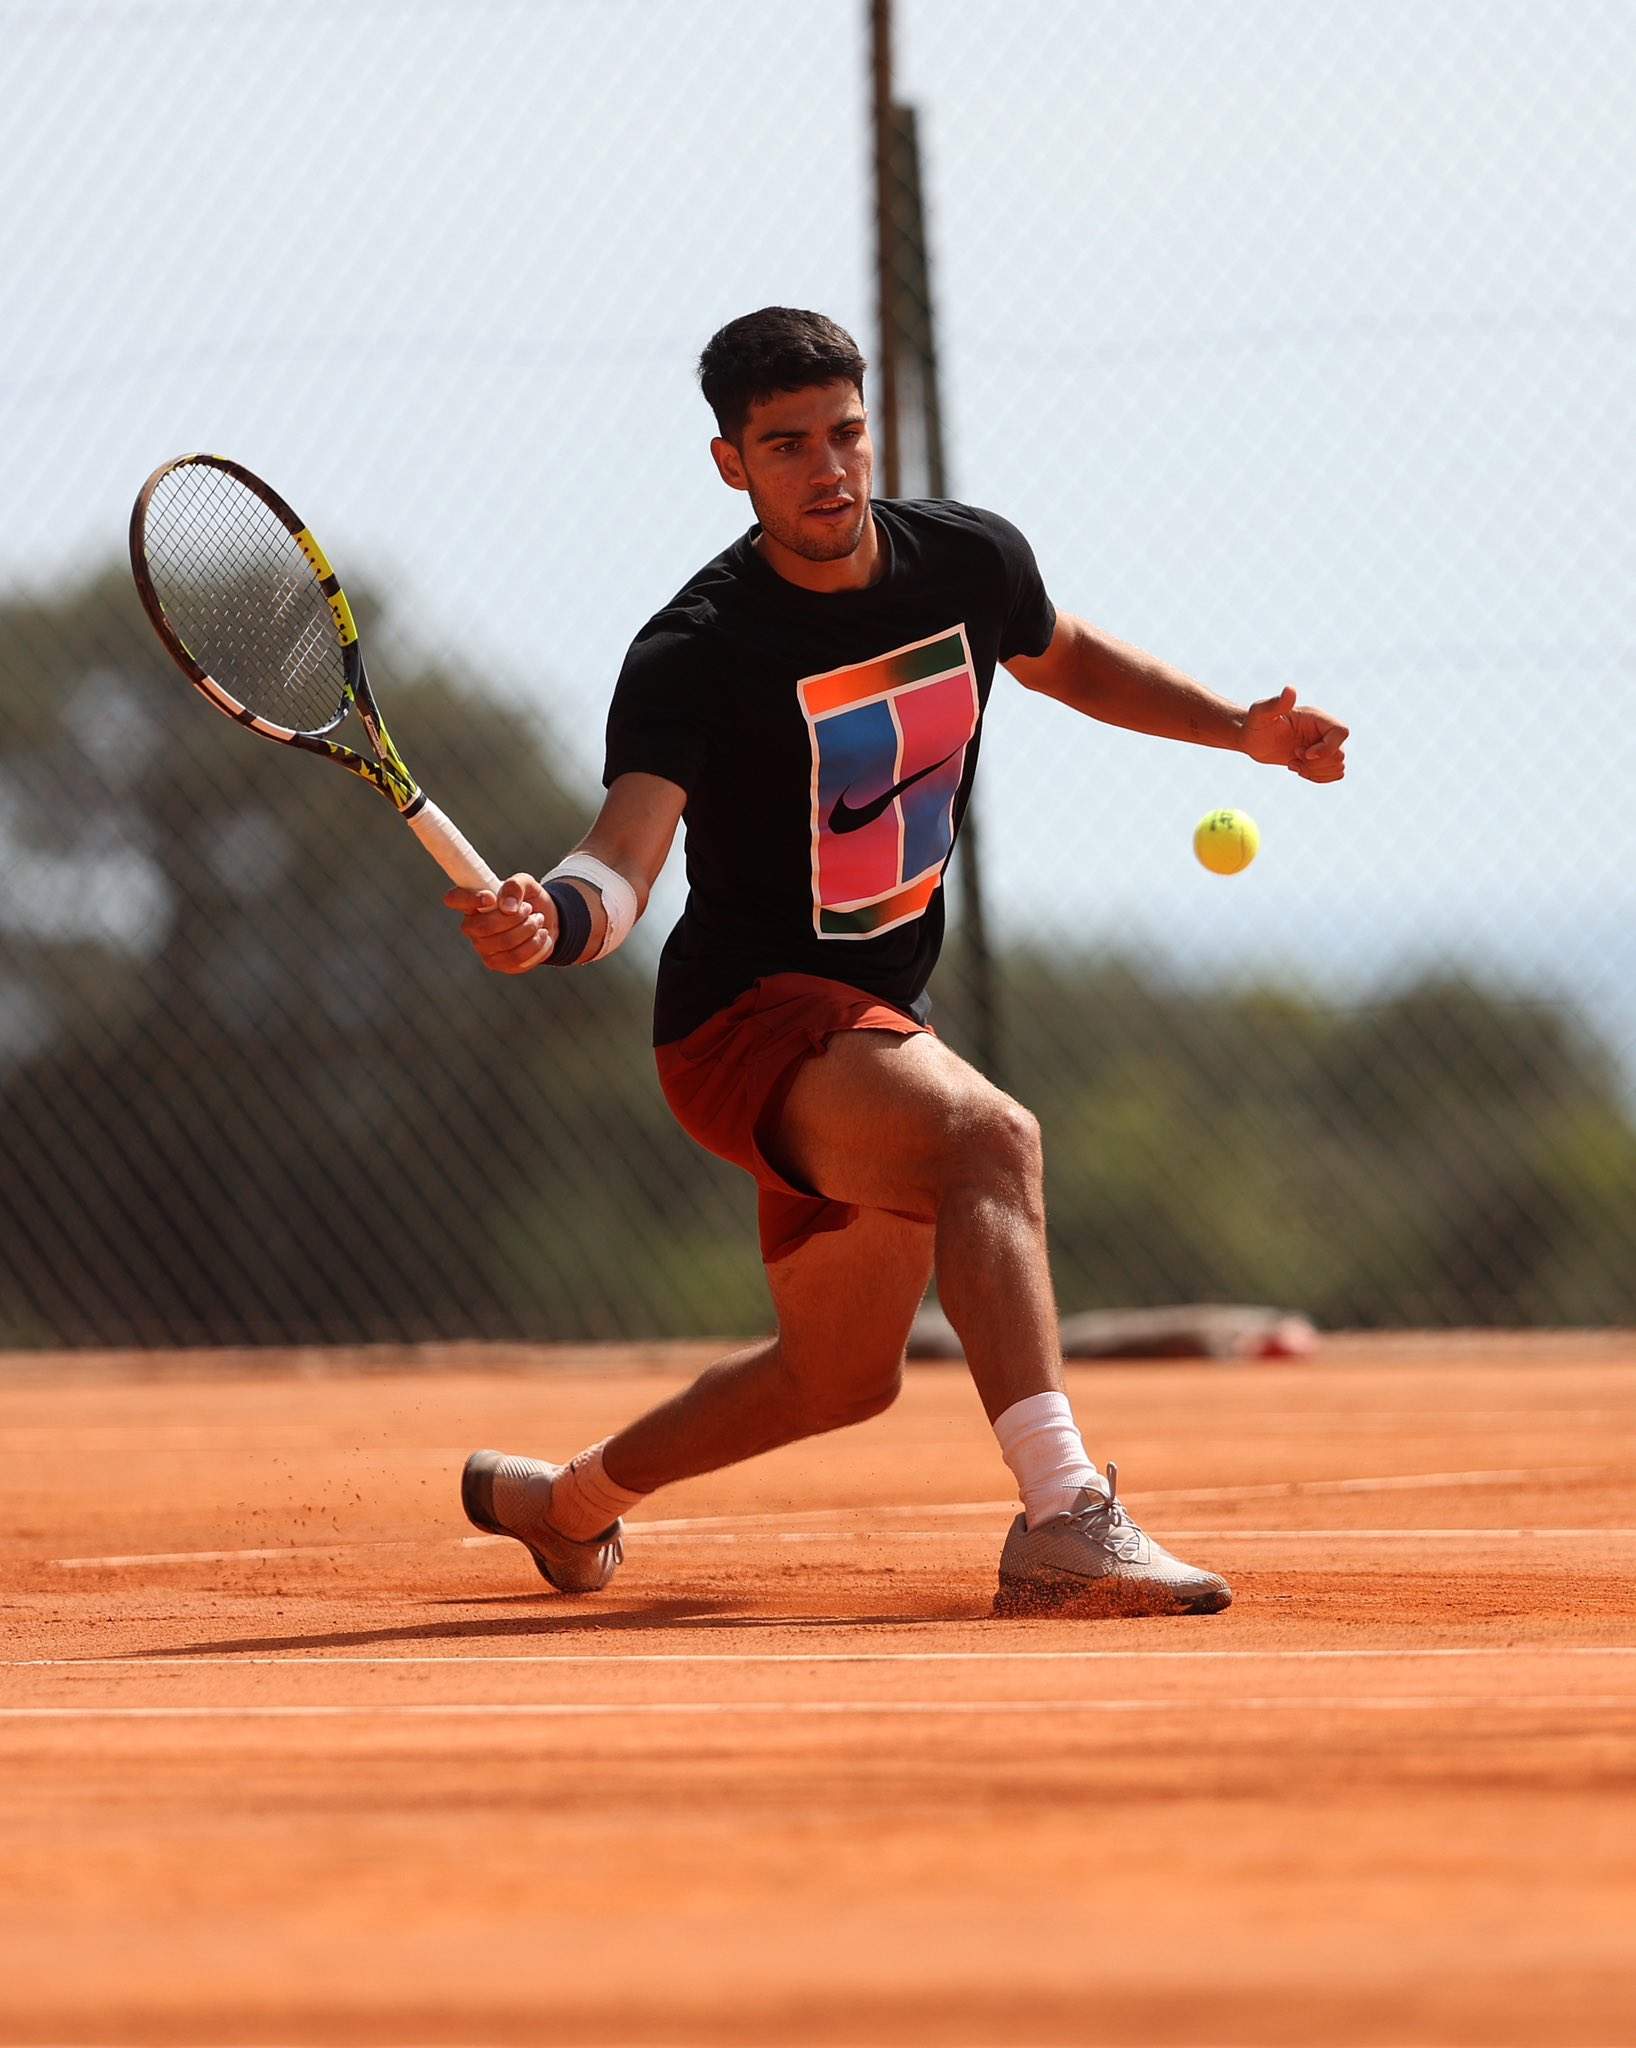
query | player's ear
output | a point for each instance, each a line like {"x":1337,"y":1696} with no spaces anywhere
{"x":730,"y":464}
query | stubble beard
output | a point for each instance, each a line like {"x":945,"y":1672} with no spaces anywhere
{"x":818,"y":546}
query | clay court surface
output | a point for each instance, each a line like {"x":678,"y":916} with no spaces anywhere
{"x":291,"y":1755}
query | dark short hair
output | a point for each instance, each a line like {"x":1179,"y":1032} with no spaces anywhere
{"x":778,"y":349}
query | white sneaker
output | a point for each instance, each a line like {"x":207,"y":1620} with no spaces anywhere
{"x":526,"y":1485}
{"x":1093,"y":1561}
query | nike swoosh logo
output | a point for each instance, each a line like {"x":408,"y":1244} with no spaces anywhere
{"x":846,"y":817}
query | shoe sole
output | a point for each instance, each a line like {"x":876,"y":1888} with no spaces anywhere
{"x":477,"y":1498}
{"x":477,"y":1493}
{"x":1110,"y":1599}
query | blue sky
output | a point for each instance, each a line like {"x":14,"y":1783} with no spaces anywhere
{"x":1297,"y":340}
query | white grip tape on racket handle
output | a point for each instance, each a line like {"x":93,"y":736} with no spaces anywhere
{"x":451,"y":849}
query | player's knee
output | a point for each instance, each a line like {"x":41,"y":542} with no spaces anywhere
{"x":1018,"y":1141}
{"x":839,"y":1404}
{"x":997,"y":1147}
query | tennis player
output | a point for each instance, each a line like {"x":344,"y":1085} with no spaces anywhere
{"x":812,"y":703}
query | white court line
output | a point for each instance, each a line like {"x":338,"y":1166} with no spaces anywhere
{"x":713,"y":1527}
{"x":1172,"y":1530}
{"x":1395,"y":1482}
{"x":678,"y":1532}
{"x":184,"y":1662}
{"x":567,"y":1710}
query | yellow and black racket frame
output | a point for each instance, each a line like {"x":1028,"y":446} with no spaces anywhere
{"x":387,"y":773}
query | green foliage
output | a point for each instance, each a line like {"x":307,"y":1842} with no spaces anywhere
{"x":253,"y":1087}
{"x":1445,"y":1156}
{"x":254,"y":1084}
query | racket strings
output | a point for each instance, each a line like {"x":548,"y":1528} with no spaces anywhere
{"x":243,"y":599}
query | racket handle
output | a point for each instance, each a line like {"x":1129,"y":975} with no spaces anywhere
{"x":450,"y":848}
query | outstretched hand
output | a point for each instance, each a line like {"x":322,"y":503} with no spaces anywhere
{"x":511,"y":932}
{"x":1285,"y":734}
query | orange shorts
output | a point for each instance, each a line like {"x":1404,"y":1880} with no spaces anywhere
{"x":727,"y":1081}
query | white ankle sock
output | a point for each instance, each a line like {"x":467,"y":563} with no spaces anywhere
{"x":1039,"y":1440}
{"x":584,"y":1500}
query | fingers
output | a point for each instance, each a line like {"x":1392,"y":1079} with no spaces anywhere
{"x":512,"y":929}
{"x":1323,"y":757}
{"x":1316,"y":732}
{"x":513,"y":943}
{"x":515,"y":953}
{"x":520,"y":892}
{"x":515,"y":892}
{"x":1299,"y":737}
{"x":494,"y":924}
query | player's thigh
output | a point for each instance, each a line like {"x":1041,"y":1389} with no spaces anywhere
{"x":886,"y":1121}
{"x":846,"y":1300}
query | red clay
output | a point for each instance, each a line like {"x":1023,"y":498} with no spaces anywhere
{"x":788,"y":1782}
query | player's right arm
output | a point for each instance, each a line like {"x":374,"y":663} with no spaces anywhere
{"x":633,"y":835}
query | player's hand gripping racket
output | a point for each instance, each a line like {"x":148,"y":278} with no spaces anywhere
{"x":251,"y":611}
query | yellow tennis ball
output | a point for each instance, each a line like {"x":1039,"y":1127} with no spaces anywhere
{"x":1226,"y":842}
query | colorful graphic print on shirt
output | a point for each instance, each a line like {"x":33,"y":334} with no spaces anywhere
{"x":889,"y":739}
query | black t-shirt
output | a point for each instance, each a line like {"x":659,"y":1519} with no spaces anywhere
{"x":827,"y":744}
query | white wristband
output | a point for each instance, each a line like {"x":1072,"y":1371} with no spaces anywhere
{"x":618,"y":897}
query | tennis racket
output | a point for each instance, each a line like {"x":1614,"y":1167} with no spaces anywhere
{"x":252,"y":613}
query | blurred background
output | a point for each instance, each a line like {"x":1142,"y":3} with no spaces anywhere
{"x":1297,"y":342}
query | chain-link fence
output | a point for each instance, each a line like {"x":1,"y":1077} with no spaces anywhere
{"x":1296,"y":341}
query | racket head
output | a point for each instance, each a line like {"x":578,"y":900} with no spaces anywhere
{"x":243,"y":597}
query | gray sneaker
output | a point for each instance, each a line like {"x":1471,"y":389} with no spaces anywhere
{"x":1093,"y":1562}
{"x":525,"y":1487}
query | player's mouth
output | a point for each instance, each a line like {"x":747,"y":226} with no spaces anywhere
{"x":830,"y":510}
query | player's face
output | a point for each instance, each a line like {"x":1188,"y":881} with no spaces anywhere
{"x":806,"y":459}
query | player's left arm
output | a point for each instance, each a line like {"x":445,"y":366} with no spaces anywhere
{"x":1090,"y":671}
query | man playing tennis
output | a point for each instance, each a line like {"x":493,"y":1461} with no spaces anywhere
{"x":812,"y":703}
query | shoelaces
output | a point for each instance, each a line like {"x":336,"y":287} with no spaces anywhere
{"x":1106,"y":1522}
